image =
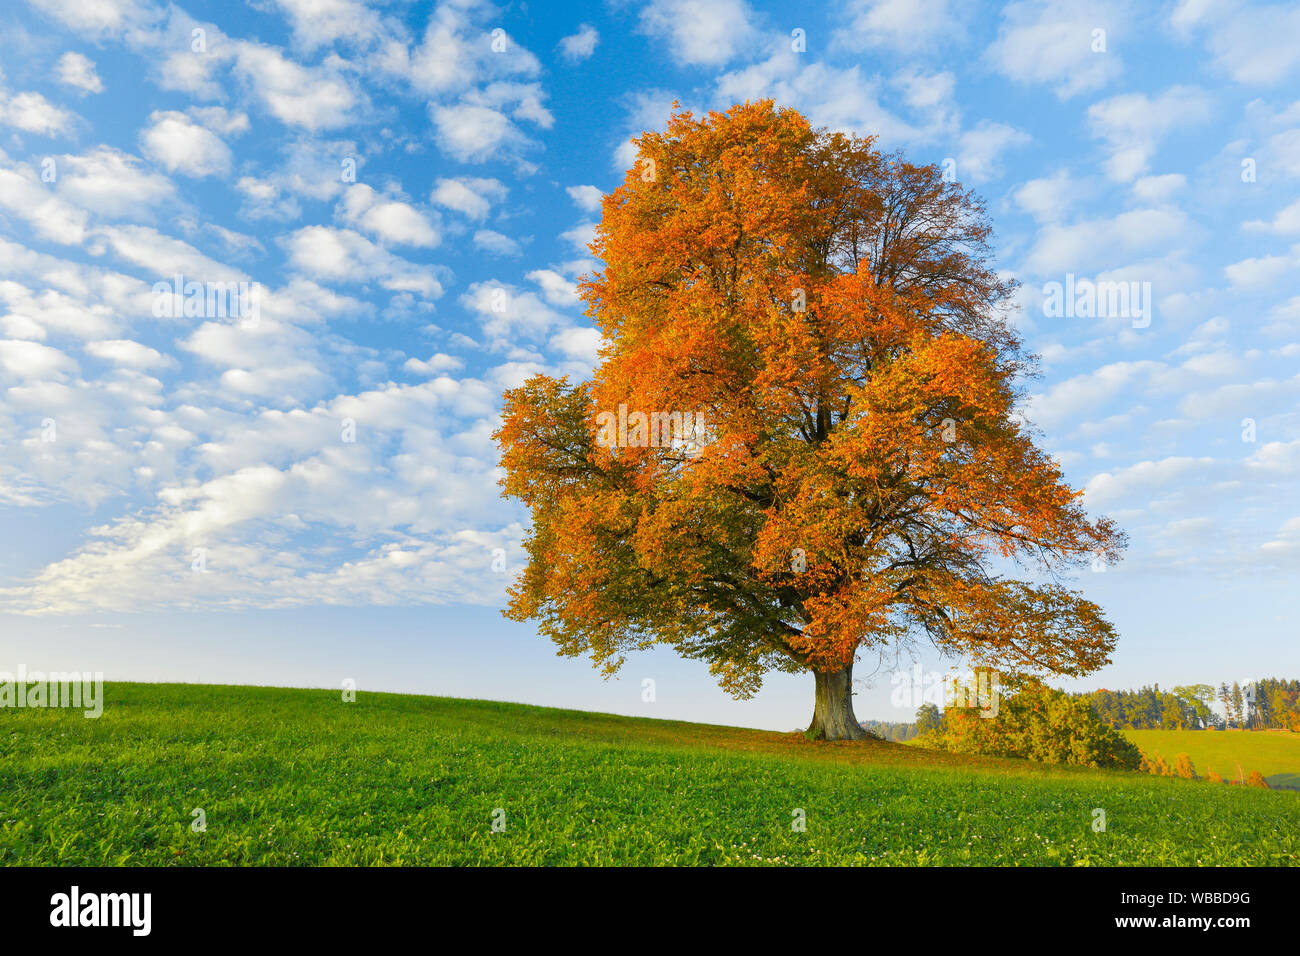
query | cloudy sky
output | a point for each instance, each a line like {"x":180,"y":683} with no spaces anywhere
{"x":306,"y":491}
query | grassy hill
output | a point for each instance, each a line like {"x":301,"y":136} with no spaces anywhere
{"x":299,"y":777}
{"x":1274,"y":753}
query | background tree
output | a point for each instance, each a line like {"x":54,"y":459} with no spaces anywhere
{"x":1172,"y":716}
{"x":1038,"y":723}
{"x":866,"y":481}
{"x":928,"y":719}
{"x":1197,"y":698}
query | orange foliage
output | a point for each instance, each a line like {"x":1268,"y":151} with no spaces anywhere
{"x":832,"y":314}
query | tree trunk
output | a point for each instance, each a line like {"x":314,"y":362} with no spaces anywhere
{"x":833,"y":714}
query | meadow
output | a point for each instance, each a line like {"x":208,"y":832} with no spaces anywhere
{"x":286,"y":777}
{"x":1230,"y":753}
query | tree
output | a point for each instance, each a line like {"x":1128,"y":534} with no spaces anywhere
{"x":1184,"y":767}
{"x":1238,"y":718}
{"x":928,"y":719}
{"x":832,"y":316}
{"x":1042,"y":724}
{"x":1212,"y":777}
{"x":1256,"y":779}
{"x":1171,"y":718}
{"x":1197,"y":698}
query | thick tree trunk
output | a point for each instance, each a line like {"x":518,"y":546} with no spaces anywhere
{"x":833,"y":714}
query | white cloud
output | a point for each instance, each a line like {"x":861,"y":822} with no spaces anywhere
{"x":179,"y":144}
{"x":980,"y":148}
{"x":484,"y":124}
{"x":436,"y":364}
{"x":1252,"y":43}
{"x":580,"y":236}
{"x":344,"y":255}
{"x":1259,"y":271}
{"x":556,"y":289}
{"x":1154,"y":189}
{"x":1143,"y":480}
{"x":1051,"y":43}
{"x":263,"y":199}
{"x":700,"y":32}
{"x":313,"y":98}
{"x":33,"y":361}
{"x":390,"y":220}
{"x":906,"y":25}
{"x":318,"y":23}
{"x":1089,"y":244}
{"x":839,"y":99}
{"x":473,"y":134}
{"x":1085,"y":394}
{"x":1047,"y":199}
{"x":578,"y":343}
{"x":221,"y":120}
{"x":163,"y":256}
{"x":1285,"y":223}
{"x":472,"y":197}
{"x":30,"y":314}
{"x":102,"y":18}
{"x":508,"y":314}
{"x":24,"y":196}
{"x":495,"y":243}
{"x":1132,"y":124}
{"x":127,"y":352}
{"x":586,"y":198}
{"x":33,"y":113}
{"x":78,"y":71}
{"x":112,"y":183}
{"x":580,"y":45}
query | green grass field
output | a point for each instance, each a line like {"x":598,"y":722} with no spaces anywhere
{"x":1274,"y":753}
{"x":299,"y":777}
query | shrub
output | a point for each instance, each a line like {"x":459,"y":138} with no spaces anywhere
{"x":1041,"y":724}
{"x":1184,"y":768}
{"x":1212,"y":777}
{"x":1256,"y":779}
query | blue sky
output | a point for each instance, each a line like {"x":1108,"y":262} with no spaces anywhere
{"x":178,"y":495}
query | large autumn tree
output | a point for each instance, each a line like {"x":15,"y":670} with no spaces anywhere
{"x":861,"y":477}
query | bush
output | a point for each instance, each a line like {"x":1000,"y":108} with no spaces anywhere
{"x":1256,"y":779}
{"x":1212,"y":777}
{"x":1041,"y":724}
{"x":1184,"y":768}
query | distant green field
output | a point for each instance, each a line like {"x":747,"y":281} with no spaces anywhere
{"x":299,"y":777}
{"x":1274,"y":753}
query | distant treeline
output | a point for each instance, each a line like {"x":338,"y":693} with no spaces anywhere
{"x":1268,"y":704}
